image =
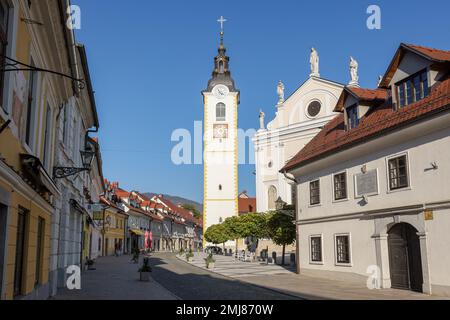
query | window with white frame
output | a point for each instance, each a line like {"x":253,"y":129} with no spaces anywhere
{"x":220,"y":112}
{"x":340,"y":186}
{"x":314,"y":192}
{"x":398,"y":172}
{"x":343,"y":249}
{"x":4,"y":21}
{"x":31,"y":107}
{"x":47,"y":137}
{"x":316,"y":248}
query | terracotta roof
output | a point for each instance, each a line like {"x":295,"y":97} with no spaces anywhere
{"x":121,"y":193}
{"x":435,"y":55}
{"x":109,"y":203}
{"x":139,"y":210}
{"x":378,"y":121}
{"x":432,"y":53}
{"x":370,"y":96}
{"x":247,"y":205}
{"x":186,"y":214}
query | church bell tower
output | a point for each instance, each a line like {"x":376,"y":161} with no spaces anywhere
{"x":220,"y":165}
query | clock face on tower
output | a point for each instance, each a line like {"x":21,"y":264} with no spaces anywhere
{"x":220,"y":131}
{"x":221,"y":91}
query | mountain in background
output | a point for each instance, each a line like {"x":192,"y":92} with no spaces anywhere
{"x":177,"y":200}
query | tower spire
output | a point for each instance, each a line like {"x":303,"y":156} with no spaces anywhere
{"x":221,"y":73}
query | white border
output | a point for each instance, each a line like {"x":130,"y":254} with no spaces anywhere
{"x":340,"y":264}
{"x":408,"y":171}
{"x":321,"y":262}
{"x":309,"y":194}
{"x":346,"y":186}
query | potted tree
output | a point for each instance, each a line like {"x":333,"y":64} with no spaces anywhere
{"x":145,"y":271}
{"x":189,"y":255}
{"x":210,"y":262}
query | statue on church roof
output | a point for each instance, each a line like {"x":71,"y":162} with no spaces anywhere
{"x":354,"y":73}
{"x":314,"y":61}
{"x":380,"y":78}
{"x":280,"y":92}
{"x":262,"y":117}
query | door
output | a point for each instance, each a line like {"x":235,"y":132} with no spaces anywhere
{"x":20,"y":250}
{"x":3,"y":219}
{"x":404,"y":258}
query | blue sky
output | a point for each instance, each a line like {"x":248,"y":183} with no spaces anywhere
{"x":149,"y":61}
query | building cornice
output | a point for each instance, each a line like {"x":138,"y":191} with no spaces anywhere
{"x":412,"y":209}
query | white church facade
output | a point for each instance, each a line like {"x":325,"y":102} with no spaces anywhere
{"x":372,"y":187}
{"x":298,"y":119}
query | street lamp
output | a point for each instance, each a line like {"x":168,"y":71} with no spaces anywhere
{"x":87,"y":156}
{"x":280,"y":204}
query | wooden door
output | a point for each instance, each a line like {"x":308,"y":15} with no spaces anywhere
{"x":404,"y":258}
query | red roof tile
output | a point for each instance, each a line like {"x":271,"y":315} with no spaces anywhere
{"x":380,"y":120}
{"x":432,"y":53}
{"x":247,"y":205}
{"x":367,"y":95}
{"x":186,"y":214}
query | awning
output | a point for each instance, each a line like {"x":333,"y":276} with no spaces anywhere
{"x":137,"y":232}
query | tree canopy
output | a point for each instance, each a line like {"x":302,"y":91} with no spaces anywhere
{"x":281,"y":229}
{"x":217,"y":234}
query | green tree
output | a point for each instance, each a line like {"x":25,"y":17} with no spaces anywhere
{"x":197,"y":214}
{"x":281,"y":229}
{"x":217,"y":234}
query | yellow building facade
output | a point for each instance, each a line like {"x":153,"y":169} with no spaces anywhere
{"x":115,"y":221}
{"x":30,"y":101}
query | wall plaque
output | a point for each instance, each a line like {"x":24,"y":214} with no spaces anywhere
{"x":366,"y":183}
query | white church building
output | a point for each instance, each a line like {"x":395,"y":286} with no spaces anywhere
{"x":373,"y":193}
{"x":298,"y":119}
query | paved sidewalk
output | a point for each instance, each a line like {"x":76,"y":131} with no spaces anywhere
{"x":230,"y":267}
{"x":307,"y":287}
{"x":115,"y":278}
{"x":315,"y":288}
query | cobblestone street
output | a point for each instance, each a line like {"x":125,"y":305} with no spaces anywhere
{"x":116,"y":278}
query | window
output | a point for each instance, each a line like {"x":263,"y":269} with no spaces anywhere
{"x":398,"y":173}
{"x":340,"y":186}
{"x":413,"y":88}
{"x":314,"y":109}
{"x":352,"y":114}
{"x":343,"y":249}
{"x":65,"y":123}
{"x":47,"y":138}
{"x":20,"y":251}
{"x":316,"y":248}
{"x":31,"y":106}
{"x":314,"y":191}
{"x":4,"y":13}
{"x":220,"y":112}
{"x":220,"y":187}
{"x":40,"y":249}
{"x":3,"y":226}
{"x":272,"y":197}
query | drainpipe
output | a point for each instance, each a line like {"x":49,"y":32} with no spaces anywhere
{"x":297,"y":240}
{"x":286,"y":175}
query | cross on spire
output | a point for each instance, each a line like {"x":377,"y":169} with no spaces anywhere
{"x":221,"y":20}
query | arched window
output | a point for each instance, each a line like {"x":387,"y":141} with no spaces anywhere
{"x":220,"y":187}
{"x":272,"y":197}
{"x":221,"y":67}
{"x":220,"y":112}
